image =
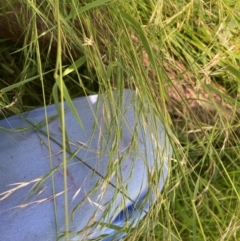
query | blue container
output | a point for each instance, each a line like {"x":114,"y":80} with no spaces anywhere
{"x":111,"y":157}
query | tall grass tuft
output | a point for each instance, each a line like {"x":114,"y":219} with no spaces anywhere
{"x":181,"y":56}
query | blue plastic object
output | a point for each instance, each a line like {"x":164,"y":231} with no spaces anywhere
{"x":112,"y":155}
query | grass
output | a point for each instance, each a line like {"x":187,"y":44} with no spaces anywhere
{"x":183,"y":56}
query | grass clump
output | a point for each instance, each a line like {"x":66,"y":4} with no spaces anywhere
{"x":183,"y":57}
